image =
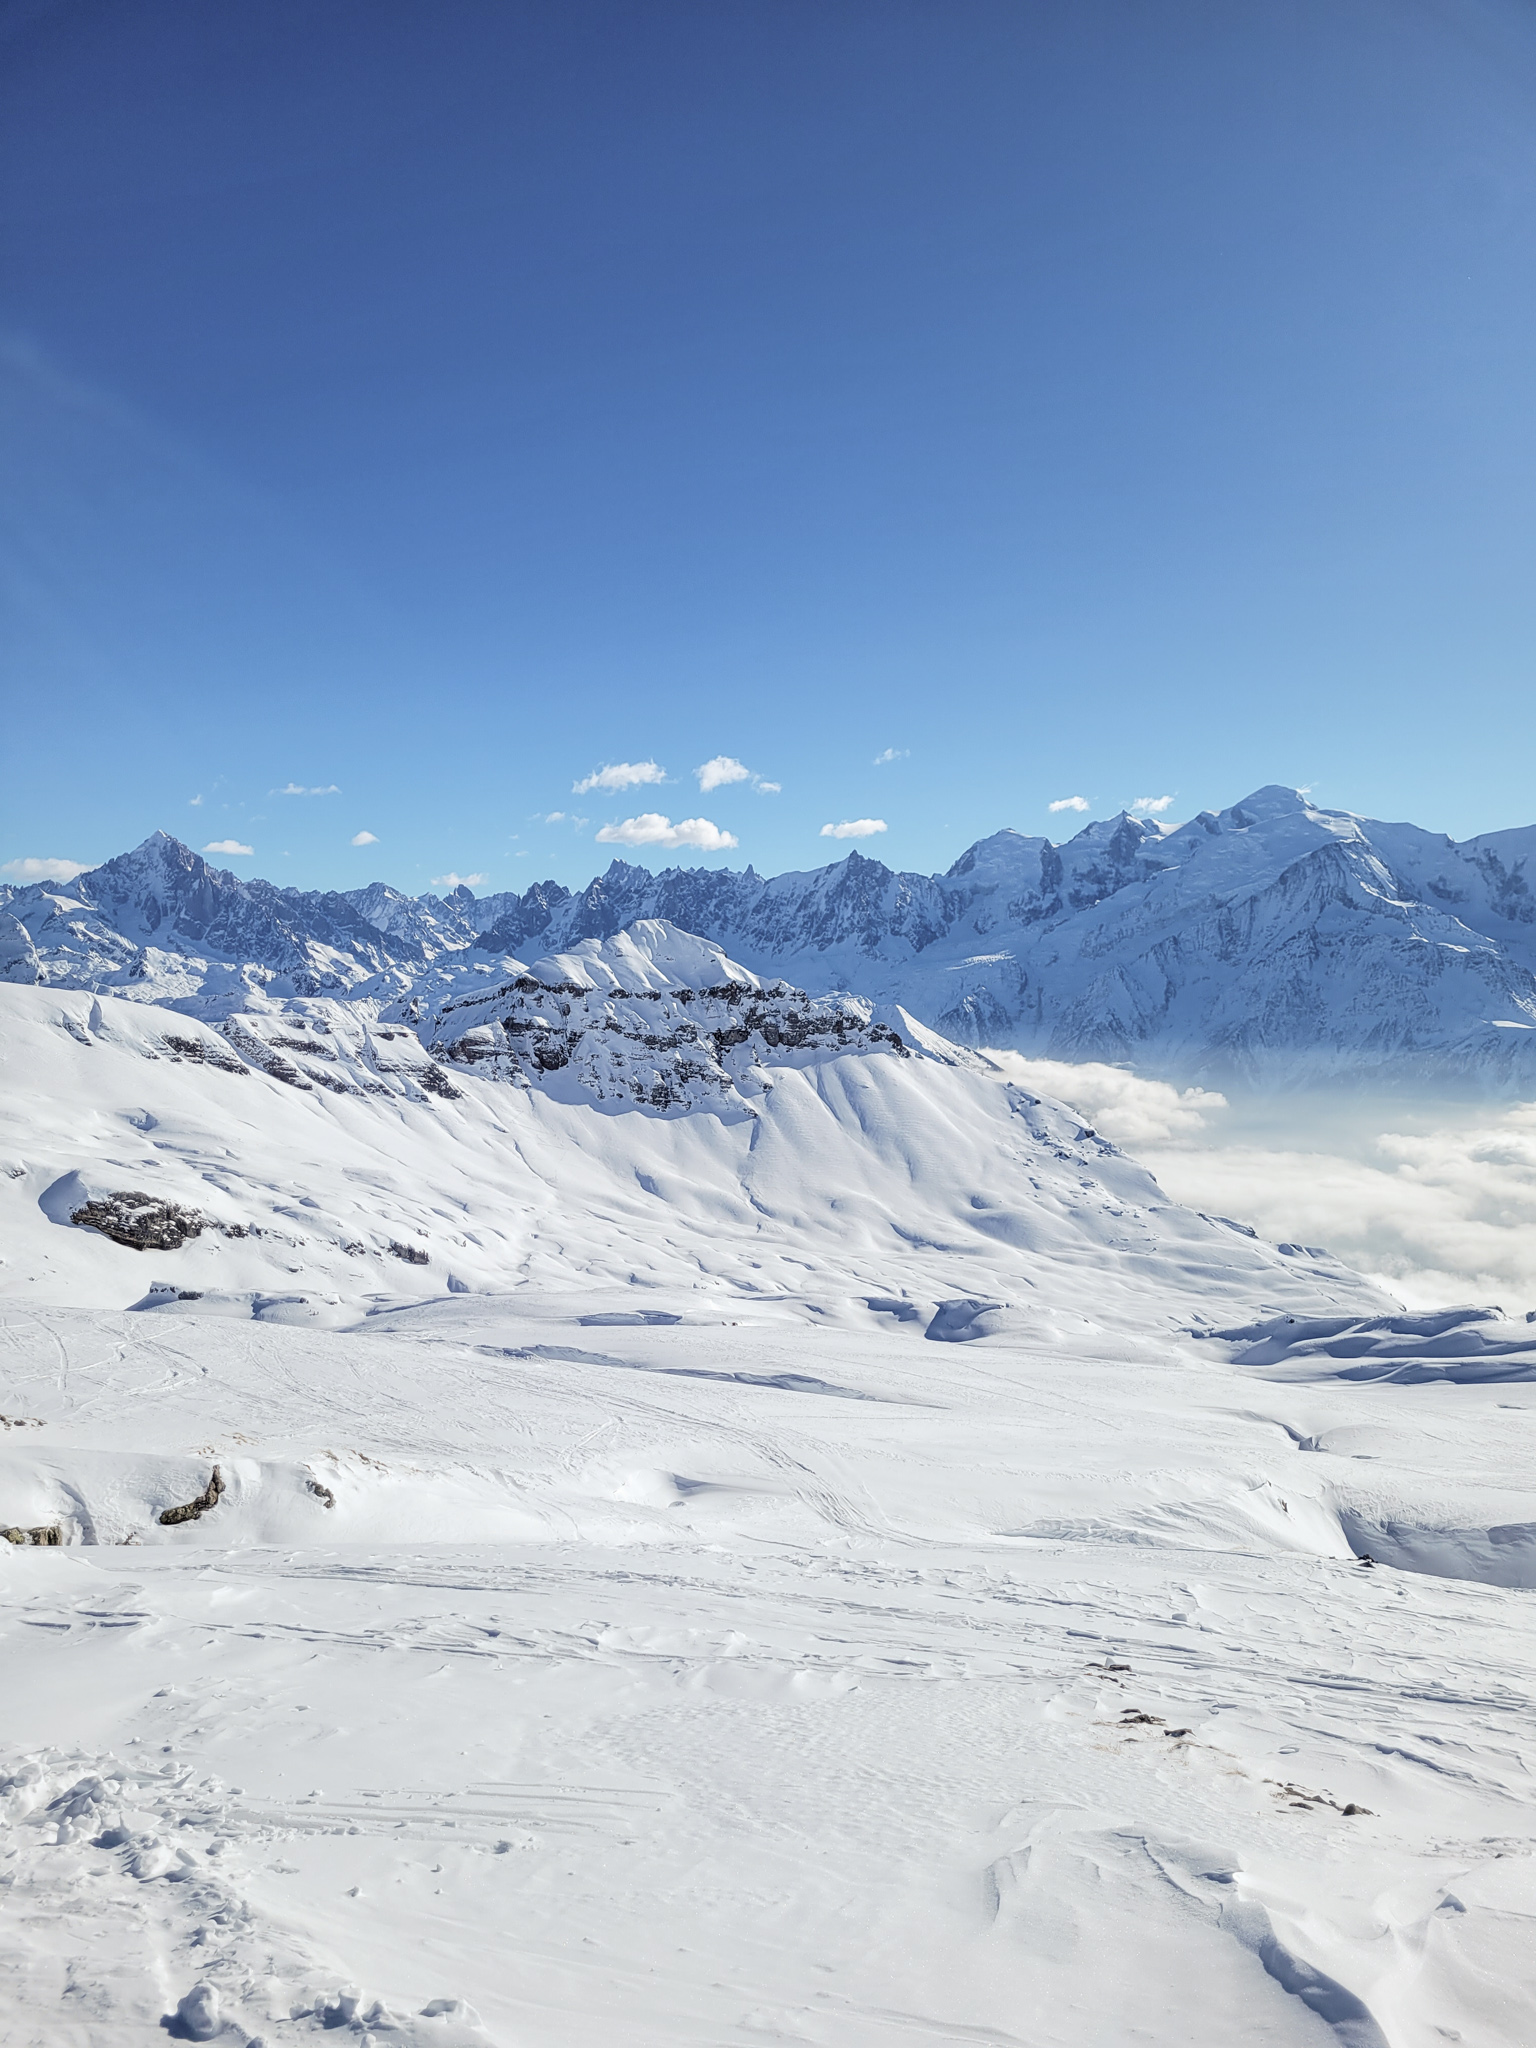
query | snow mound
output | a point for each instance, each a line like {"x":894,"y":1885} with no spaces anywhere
{"x":1456,"y":1344}
{"x":650,"y":956}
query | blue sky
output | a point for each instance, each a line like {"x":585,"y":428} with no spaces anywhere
{"x":939,"y":410}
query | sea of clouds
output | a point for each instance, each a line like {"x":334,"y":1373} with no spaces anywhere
{"x":1435,"y":1201}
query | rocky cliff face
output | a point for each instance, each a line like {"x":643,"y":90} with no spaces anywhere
{"x":652,"y":1017}
{"x":1270,"y":941}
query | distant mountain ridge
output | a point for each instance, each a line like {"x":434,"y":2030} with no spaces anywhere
{"x":1267,"y":941}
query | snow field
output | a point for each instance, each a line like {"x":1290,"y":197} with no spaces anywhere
{"x":780,"y":1709}
{"x":864,"y":1569}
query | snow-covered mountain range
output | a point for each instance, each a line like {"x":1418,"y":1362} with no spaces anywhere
{"x":1270,"y":941}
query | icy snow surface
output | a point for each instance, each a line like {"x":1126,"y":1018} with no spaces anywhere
{"x":839,"y":1558}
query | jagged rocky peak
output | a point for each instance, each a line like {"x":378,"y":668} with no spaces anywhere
{"x":654,"y":1018}
{"x":159,"y":882}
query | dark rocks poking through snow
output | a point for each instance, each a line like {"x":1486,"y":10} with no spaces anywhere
{"x":193,"y":1509}
{"x":663,"y":1049}
{"x":45,"y":1537}
{"x":203,"y":1052}
{"x":145,"y":1223}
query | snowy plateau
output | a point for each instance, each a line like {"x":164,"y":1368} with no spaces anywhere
{"x":588,"y":1470}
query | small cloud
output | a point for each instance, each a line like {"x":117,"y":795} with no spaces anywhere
{"x":298,"y":789}
{"x":767,"y":788}
{"x":652,"y":829}
{"x":555,"y":818}
{"x":194,"y":801}
{"x":1069,"y":803}
{"x":722,"y":769}
{"x":619,"y":775}
{"x":1153,"y":804}
{"x":452,"y":881}
{"x":365,"y":838}
{"x":227,"y":846}
{"x":853,"y":828}
{"x":31,"y":869}
{"x":892,"y":754}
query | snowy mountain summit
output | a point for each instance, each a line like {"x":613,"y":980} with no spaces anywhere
{"x":1269,"y":942}
{"x":651,"y":1016}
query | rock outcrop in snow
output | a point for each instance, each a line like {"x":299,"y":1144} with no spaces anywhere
{"x":654,"y":1017}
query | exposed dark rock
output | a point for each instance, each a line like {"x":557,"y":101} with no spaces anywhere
{"x":204,"y":1053}
{"x":145,"y":1223}
{"x":193,"y":1509}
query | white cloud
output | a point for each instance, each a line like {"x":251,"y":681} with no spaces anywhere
{"x":767,"y":788}
{"x":619,"y":775}
{"x":298,"y":789}
{"x":853,"y":828}
{"x":652,"y":829}
{"x":1121,"y":1105}
{"x":452,"y":881}
{"x":1069,"y":803}
{"x":33,"y":869}
{"x":722,"y":769}
{"x":227,"y":846}
{"x":365,"y":838}
{"x":892,"y":754}
{"x":1154,"y":804}
{"x":555,"y":818}
{"x":194,"y":801}
{"x":1439,"y":1214}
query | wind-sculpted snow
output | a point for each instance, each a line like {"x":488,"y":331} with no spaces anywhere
{"x":1272,"y":941}
{"x":734,"y":1670}
{"x":842,"y":1559}
{"x":1460,"y":1345}
{"x":316,"y":1148}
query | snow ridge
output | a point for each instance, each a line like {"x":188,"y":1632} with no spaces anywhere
{"x":615,"y":1028}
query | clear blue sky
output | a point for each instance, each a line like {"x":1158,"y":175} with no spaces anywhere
{"x":439,"y":402}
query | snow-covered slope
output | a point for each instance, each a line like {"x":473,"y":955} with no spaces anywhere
{"x":834,"y":1556}
{"x":1271,"y":941}
{"x":340,"y":1162}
